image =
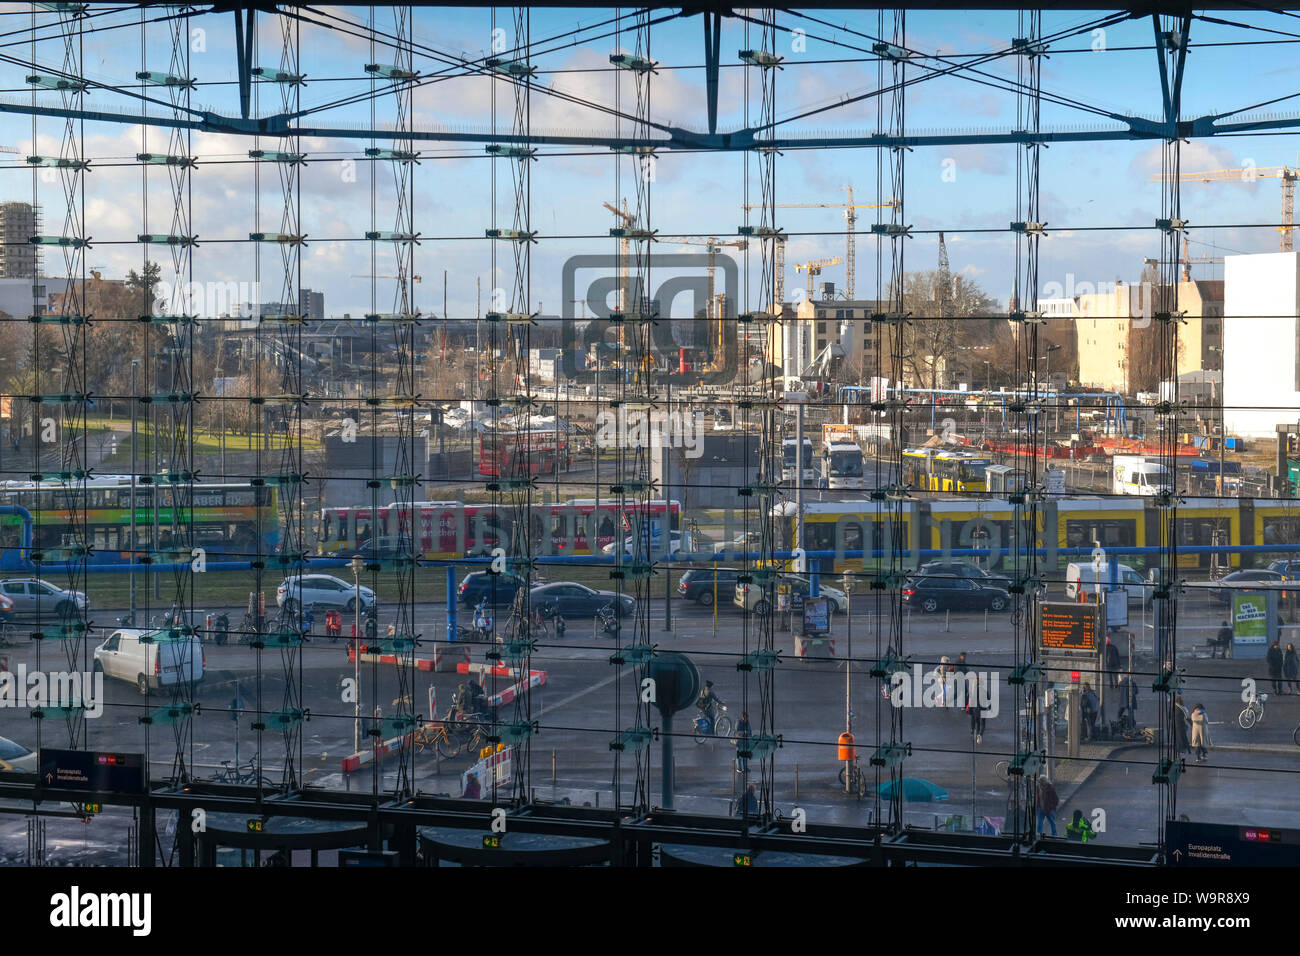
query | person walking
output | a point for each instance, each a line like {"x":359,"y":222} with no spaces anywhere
{"x":743,"y":732}
{"x":1111,"y":652}
{"x":1274,"y":661}
{"x":1200,"y":732}
{"x":748,"y":803}
{"x":974,"y":709}
{"x":1048,"y":801}
{"x":1291,"y":670}
{"x":1182,"y":720}
{"x":941,"y":676}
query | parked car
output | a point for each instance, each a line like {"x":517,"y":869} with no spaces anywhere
{"x":321,"y":590}
{"x":1251,"y":579}
{"x":498,"y":589}
{"x":1289,"y":568}
{"x":575,"y":601}
{"x":932,"y":594}
{"x":151,"y":659}
{"x":16,"y":758}
{"x":6,"y":609}
{"x":751,"y":597}
{"x":32,"y":596}
{"x":677,"y":544}
{"x":701,"y":584}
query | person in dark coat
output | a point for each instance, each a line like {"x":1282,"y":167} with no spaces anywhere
{"x":1274,"y":661}
{"x":1048,"y":801}
{"x":1182,"y":721}
{"x":472,"y":789}
{"x":1291,"y":670}
{"x":1088,"y":710}
{"x":1112,"y":663}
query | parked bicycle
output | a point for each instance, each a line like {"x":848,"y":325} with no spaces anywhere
{"x":1253,"y":712}
{"x":245,"y":774}
{"x":451,"y":737}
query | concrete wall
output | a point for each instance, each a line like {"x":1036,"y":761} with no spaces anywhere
{"x":1261,"y":301}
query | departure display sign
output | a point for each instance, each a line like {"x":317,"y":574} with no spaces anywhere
{"x":1068,"y":628}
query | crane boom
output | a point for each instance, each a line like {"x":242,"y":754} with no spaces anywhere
{"x":1249,"y":174}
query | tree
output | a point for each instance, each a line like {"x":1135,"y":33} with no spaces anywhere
{"x":944,"y":316}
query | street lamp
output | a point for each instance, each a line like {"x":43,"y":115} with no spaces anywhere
{"x":848,"y":656}
{"x":135,"y":363}
{"x":358,"y":565}
{"x":1047,"y":374}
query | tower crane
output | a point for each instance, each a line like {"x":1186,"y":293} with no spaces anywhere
{"x":814,"y":268}
{"x":1247,"y":175}
{"x":713,"y":310}
{"x":629,"y":222}
{"x":851,"y":223}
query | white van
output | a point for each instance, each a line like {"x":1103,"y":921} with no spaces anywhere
{"x":1091,"y":578}
{"x":1135,"y":475}
{"x":151,"y":659}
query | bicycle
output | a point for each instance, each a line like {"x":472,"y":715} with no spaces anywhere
{"x":1253,"y":712}
{"x":246,"y":774}
{"x":854,"y":773}
{"x":436,"y":734}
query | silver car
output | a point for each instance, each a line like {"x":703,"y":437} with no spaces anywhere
{"x":32,"y":596}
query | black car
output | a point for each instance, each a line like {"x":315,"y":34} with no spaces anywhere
{"x":960,"y":569}
{"x":576,"y":601}
{"x":1252,"y":579}
{"x":499,"y":589}
{"x":697,"y":584}
{"x":933,"y":594}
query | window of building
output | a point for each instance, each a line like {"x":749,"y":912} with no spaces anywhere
{"x":821,"y":328}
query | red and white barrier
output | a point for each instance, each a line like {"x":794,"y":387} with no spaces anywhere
{"x":421,"y":663}
{"x":507,"y":696}
{"x":364,"y":758}
{"x":445,"y":658}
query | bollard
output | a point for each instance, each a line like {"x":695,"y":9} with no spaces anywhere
{"x":986,"y":620}
{"x":947,"y":621}
{"x":796,"y":781}
{"x":552,"y":766}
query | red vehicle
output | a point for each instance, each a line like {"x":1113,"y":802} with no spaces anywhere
{"x":522,"y":454}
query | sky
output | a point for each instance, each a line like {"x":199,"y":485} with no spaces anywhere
{"x":1097,"y":199}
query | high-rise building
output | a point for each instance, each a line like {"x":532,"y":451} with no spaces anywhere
{"x":19,"y":221}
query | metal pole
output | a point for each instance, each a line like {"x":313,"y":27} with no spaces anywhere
{"x":134,"y":557}
{"x":667,"y":536}
{"x":798,"y":472}
{"x":356,"y":660}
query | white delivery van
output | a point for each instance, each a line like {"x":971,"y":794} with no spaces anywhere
{"x":1135,"y":475}
{"x":1091,"y":578}
{"x":151,"y":659}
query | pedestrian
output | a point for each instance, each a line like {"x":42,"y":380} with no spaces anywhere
{"x":1223,"y":642}
{"x":1200,"y":732}
{"x":960,"y":667}
{"x":743,"y":732}
{"x":1080,"y":829}
{"x":1088,"y":711}
{"x":472,"y":789}
{"x":1181,"y":726}
{"x":974,"y":709}
{"x":1274,"y":661}
{"x":1110,"y":656}
{"x":748,"y":803}
{"x":1291,"y":670}
{"x":1048,"y":801}
{"x":941,"y":678}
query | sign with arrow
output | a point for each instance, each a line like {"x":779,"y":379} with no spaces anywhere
{"x":93,"y":771}
{"x":1217,"y":844}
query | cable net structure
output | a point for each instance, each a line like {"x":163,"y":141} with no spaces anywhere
{"x":407,"y":430}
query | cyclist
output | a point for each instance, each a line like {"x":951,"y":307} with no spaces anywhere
{"x":482,"y":620}
{"x":708,"y":703}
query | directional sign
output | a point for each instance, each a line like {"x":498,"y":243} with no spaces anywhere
{"x":92,"y":771}
{"x":1218,"y":844}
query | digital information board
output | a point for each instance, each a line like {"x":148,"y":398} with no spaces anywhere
{"x":93,"y":771}
{"x":1069,"y":629}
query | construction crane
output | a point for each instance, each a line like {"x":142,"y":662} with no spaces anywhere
{"x":714,"y":310}
{"x":1248,"y":175}
{"x":629,"y":222}
{"x":814,"y":268}
{"x":1188,"y":260}
{"x":851,"y":222}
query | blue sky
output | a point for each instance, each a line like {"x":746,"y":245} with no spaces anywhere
{"x":1083,"y":186}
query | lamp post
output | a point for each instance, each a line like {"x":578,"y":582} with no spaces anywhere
{"x":1047,"y":374}
{"x":358,"y":566}
{"x":848,"y":654}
